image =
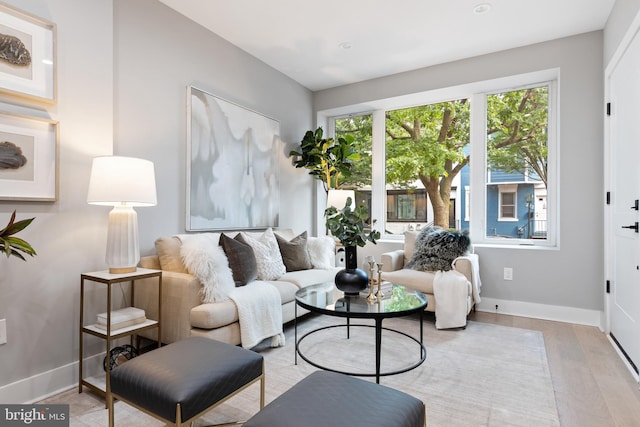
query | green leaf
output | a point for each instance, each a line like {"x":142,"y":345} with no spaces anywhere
{"x":11,"y":245}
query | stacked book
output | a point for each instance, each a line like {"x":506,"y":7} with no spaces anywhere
{"x":121,"y":318}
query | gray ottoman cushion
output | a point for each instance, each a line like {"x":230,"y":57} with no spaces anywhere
{"x":326,"y":399}
{"x":195,"y":372}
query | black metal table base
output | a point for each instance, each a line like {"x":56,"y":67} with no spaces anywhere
{"x":378,"y":331}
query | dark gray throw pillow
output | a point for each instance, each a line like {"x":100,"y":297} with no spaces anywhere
{"x":294,"y":252}
{"x":242,"y":260}
{"x":436,"y":248}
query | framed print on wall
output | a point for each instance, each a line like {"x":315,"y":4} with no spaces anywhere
{"x":28,"y":158}
{"x":232,"y":165}
{"x":27,"y":55}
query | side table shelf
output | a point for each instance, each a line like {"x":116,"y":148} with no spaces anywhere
{"x":100,"y":383}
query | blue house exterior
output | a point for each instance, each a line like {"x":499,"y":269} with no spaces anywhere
{"x":526,"y":218}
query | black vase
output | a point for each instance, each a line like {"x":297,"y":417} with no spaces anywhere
{"x":351,"y":280}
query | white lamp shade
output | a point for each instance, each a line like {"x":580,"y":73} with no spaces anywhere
{"x":119,"y":180}
{"x":338,"y":198}
{"x":122,"y":182}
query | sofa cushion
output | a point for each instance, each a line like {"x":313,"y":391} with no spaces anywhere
{"x":168,"y":250}
{"x":287,"y":290}
{"x":213,"y":315}
{"x":417,"y":280}
{"x":241,"y":259}
{"x":294,"y":252}
{"x":409,"y":244}
{"x":223,"y":313}
{"x":322,"y":251}
{"x":267,"y":253}
{"x":305,"y":278}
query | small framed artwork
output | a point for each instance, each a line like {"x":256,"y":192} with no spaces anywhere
{"x":27,"y":55}
{"x":232,"y":165}
{"x":28,"y":158}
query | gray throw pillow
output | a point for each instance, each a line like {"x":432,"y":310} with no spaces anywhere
{"x":242,"y":260}
{"x":294,"y":252}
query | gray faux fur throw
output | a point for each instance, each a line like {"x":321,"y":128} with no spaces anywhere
{"x":436,"y":249}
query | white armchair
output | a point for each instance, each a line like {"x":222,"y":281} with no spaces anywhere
{"x":451,"y":295}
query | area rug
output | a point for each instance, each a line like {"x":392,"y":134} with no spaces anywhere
{"x":484,"y":375}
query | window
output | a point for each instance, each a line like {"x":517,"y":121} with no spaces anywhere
{"x":425,"y":164}
{"x":425,"y":152}
{"x":507,"y":204}
{"x":517,"y":162}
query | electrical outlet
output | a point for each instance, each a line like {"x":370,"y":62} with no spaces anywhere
{"x":3,"y":331}
{"x":508,"y":273}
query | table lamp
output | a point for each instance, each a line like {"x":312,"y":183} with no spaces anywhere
{"x":122,"y":182}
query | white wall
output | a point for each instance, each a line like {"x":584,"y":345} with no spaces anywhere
{"x":572,"y":277}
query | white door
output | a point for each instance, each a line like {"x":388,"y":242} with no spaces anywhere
{"x":625,"y":180}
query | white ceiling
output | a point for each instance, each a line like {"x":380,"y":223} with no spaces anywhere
{"x":302,"y":38}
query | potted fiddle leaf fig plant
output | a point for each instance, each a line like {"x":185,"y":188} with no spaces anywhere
{"x":349,"y":227}
{"x":327,"y":159}
{"x":15,"y":246}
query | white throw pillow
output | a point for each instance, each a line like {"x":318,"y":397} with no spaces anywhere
{"x":322,"y":251}
{"x":208,"y":263}
{"x":267,"y":252}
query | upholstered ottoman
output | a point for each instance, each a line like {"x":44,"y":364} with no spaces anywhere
{"x":328,"y":399}
{"x":181,"y":381}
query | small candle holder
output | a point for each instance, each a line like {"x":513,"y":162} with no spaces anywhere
{"x":372,"y":281}
{"x":379,"y":294}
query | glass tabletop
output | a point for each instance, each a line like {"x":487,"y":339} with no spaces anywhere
{"x":326,"y":298}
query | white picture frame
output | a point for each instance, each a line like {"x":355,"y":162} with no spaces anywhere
{"x":28,"y":158}
{"x":27,"y":55}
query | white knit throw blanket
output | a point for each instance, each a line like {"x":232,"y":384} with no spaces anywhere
{"x":450,"y":289}
{"x":260,"y":313}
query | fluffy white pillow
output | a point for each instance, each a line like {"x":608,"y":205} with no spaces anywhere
{"x":267,"y":252}
{"x":208,"y":263}
{"x":322,"y":251}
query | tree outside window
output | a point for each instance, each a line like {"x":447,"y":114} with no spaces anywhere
{"x":427,"y":149}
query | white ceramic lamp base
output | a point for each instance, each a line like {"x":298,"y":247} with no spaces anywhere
{"x":123,"y":251}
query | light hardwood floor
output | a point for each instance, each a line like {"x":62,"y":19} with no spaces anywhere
{"x":593,"y":387}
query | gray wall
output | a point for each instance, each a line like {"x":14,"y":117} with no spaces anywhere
{"x":123,"y":69}
{"x":40,"y":298}
{"x":573,"y":275}
{"x":158,"y":53}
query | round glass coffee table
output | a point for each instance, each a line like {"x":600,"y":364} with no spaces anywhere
{"x":325,"y":298}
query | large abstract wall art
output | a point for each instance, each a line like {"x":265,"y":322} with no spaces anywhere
{"x":232,"y":165}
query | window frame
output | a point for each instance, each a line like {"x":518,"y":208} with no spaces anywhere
{"x":477,"y":93}
{"x":507,"y":189}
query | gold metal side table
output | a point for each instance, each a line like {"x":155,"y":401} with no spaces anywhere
{"x":100,"y":383}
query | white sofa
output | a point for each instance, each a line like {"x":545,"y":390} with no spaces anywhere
{"x":458,"y":304}
{"x":184,"y":314}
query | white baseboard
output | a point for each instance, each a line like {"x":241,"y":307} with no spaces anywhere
{"x":543,"y":311}
{"x":46,"y":384}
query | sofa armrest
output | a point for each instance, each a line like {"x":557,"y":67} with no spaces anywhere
{"x":392,"y":261}
{"x":180,"y":293}
{"x":470,"y":267}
